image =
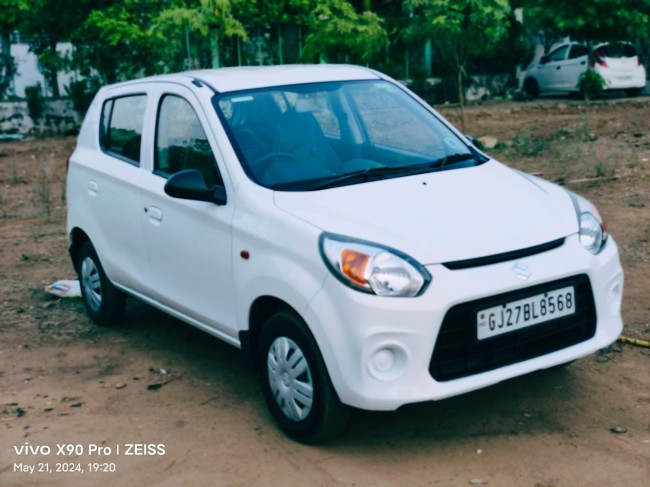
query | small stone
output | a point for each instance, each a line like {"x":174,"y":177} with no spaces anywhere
{"x":76,"y":405}
{"x":478,"y":482}
{"x":47,"y":410}
{"x":488,"y":142}
{"x":20,"y":412}
{"x":618,"y":430}
{"x":120,"y":386}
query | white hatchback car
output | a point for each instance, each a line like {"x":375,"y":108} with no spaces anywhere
{"x":560,"y":70}
{"x":339,"y":231}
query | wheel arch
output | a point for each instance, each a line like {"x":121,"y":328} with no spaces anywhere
{"x":77,"y":238}
{"x":261,"y":310}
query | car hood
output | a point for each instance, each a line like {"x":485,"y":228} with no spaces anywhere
{"x":443,"y":216}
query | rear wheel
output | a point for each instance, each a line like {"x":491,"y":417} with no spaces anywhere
{"x":104,"y":302}
{"x":531,"y":88}
{"x":295,"y":382}
{"x":633,"y":91}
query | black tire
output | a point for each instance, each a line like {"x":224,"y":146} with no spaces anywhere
{"x":531,"y":87}
{"x":289,"y":362}
{"x":633,"y":91}
{"x":104,"y":302}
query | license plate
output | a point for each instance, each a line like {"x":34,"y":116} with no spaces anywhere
{"x":522,"y":313}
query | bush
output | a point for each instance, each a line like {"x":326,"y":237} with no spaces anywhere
{"x":591,"y":84}
{"x":82,"y":93}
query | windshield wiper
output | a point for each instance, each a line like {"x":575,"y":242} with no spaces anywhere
{"x":452,"y":159}
{"x":373,"y":172}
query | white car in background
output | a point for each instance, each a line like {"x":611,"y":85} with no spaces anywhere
{"x":560,"y":70}
{"x":331,"y":224}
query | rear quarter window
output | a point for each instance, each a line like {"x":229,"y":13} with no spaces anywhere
{"x":121,"y":127}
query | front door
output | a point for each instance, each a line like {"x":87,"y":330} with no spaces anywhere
{"x":187,"y":243}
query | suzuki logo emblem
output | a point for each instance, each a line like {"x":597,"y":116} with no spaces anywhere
{"x":521,"y":271}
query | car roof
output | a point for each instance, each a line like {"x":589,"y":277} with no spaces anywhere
{"x":225,"y":80}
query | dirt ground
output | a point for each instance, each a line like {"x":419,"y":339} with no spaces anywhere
{"x":71,"y":393}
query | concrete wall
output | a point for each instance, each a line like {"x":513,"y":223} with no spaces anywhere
{"x":28,"y":74}
{"x":58,"y":118}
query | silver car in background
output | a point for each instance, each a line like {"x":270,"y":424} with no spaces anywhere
{"x":560,"y":70}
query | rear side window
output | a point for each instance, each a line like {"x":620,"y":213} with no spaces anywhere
{"x":616,"y":50}
{"x":578,"y":50}
{"x":121,"y":129}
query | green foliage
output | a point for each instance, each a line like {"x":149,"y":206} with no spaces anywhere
{"x":82,"y":93}
{"x":340,"y":34}
{"x":588,"y":20}
{"x":200,"y":28}
{"x":119,"y":41}
{"x":35,"y":102}
{"x":591,"y":84}
{"x":7,"y":71}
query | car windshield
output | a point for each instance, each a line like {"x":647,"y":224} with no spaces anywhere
{"x":322,"y":135}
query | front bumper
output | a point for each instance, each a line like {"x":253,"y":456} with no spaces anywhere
{"x":379,"y":351}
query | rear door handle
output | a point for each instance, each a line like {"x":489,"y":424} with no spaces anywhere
{"x":155,"y":214}
{"x":559,"y":67}
{"x":92,"y":187}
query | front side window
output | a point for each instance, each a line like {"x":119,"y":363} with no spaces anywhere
{"x":121,"y":128}
{"x":181,"y":142}
{"x":319,"y":135}
{"x":558,"y":54}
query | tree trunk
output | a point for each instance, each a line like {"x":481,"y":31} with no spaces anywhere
{"x":214,"y":47}
{"x":461,"y":97}
{"x":280,"y":56}
{"x":53,"y":74}
{"x":188,"y":52}
{"x":7,"y":74}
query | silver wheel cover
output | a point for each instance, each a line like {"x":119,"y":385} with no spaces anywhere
{"x":290,"y":378}
{"x":92,"y":286}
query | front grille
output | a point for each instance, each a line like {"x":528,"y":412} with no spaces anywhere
{"x":504,"y":257}
{"x":458,"y":353}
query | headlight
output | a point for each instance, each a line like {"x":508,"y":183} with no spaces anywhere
{"x":592,"y":229}
{"x":373,"y":268}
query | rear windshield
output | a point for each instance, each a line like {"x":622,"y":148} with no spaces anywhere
{"x":616,"y":50}
{"x":320,"y":135}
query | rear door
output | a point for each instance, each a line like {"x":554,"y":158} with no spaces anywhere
{"x":187,"y":243}
{"x":106,"y":199}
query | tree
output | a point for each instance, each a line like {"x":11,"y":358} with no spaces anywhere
{"x":339,"y":33}
{"x":209,"y":20}
{"x":118,"y":42}
{"x":47,"y":23}
{"x":460,"y":29}
{"x":588,"y":20}
{"x":13,"y":12}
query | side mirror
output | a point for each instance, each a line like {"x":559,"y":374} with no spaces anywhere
{"x":472,"y":139}
{"x":544,"y":59}
{"x":190,"y":185}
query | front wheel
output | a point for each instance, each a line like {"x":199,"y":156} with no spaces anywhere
{"x":104,"y":302}
{"x":295,"y":382}
{"x":633,"y":91}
